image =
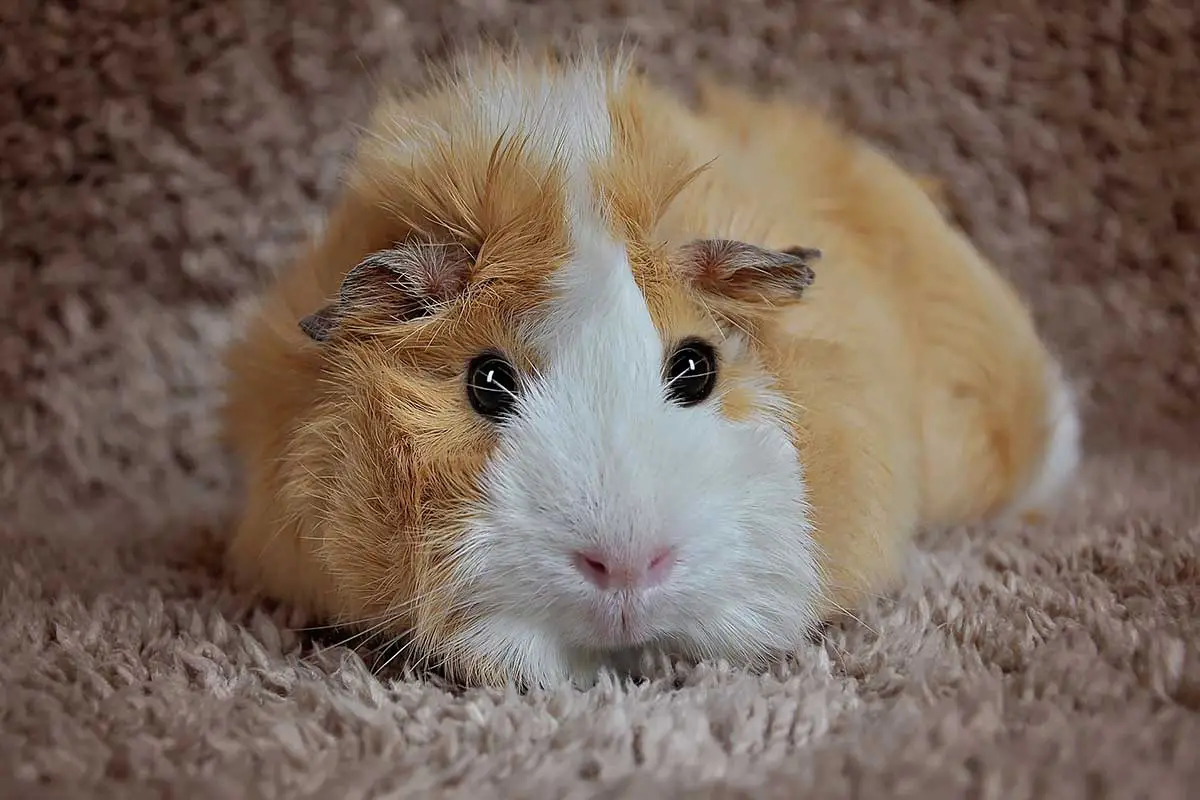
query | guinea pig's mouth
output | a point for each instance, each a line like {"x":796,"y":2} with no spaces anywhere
{"x":621,"y":621}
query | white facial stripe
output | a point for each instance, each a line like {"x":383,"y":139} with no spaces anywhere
{"x":599,"y":322}
{"x":600,"y":400}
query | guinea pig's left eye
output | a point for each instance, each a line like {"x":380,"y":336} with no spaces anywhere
{"x":492,"y":385}
{"x":691,"y":373}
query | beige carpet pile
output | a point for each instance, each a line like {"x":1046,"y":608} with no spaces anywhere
{"x":159,"y":158}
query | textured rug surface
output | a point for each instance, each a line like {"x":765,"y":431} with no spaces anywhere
{"x":158,"y":159}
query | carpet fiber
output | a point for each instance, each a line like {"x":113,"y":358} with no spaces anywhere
{"x":158,"y":159}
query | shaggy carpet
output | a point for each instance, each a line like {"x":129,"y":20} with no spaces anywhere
{"x":158,"y":159}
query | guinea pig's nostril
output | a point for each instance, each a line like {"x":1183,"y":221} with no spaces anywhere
{"x":662,"y":560}
{"x":595,"y":565}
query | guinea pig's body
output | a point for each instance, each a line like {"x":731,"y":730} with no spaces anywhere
{"x":577,"y":369}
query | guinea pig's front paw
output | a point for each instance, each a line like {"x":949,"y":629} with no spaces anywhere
{"x":585,"y":672}
{"x":559,"y":667}
{"x":584,"y":678}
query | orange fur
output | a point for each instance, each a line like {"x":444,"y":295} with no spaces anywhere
{"x":917,"y":383}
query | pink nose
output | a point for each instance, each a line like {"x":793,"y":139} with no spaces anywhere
{"x":609,"y":571}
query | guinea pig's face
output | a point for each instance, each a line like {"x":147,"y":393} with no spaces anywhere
{"x":575,"y":447}
{"x":644,"y":488}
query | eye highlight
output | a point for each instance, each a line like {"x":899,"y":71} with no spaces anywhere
{"x":691,"y":373}
{"x":492,"y":385}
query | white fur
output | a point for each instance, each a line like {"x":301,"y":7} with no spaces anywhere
{"x":1061,"y":459}
{"x":565,"y":117}
{"x":596,"y":455}
{"x":565,"y":113}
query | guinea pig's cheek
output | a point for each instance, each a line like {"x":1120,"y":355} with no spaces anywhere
{"x":754,"y":574}
{"x":742,"y":393}
{"x":737,"y":403}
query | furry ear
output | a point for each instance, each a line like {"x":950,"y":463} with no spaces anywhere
{"x":393,"y":286}
{"x":748,"y":273}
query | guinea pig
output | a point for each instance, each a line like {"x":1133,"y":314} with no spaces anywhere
{"x":578,"y":368}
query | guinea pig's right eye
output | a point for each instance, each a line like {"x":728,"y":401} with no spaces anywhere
{"x":691,"y":373}
{"x":492,"y":385}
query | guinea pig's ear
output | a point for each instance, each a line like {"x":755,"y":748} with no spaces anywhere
{"x":319,"y":325}
{"x":748,"y":273}
{"x":393,"y":286}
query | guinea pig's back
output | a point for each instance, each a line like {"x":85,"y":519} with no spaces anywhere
{"x":999,"y":428}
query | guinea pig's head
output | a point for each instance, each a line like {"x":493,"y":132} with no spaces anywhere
{"x":548,"y":433}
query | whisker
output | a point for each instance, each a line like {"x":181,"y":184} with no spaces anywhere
{"x":380,"y":669}
{"x":854,"y":617}
{"x":504,"y":389}
{"x":691,"y":375}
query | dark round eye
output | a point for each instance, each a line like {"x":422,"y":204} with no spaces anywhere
{"x":691,"y":373}
{"x":492,"y":385}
